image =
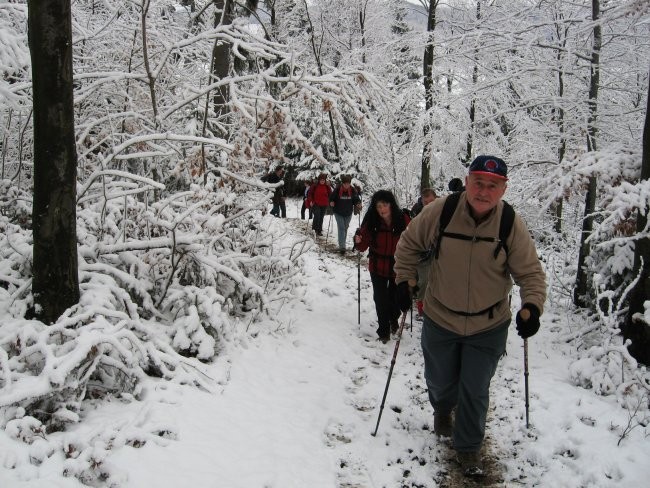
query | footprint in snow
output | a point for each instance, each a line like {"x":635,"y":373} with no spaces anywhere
{"x":353,"y":474}
{"x":336,"y":433}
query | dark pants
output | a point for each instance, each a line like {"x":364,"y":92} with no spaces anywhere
{"x":303,"y":209}
{"x":319,"y":215}
{"x":458,"y":370}
{"x":384,"y":293}
{"x":279,"y":209}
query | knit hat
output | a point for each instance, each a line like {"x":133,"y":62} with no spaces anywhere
{"x":489,"y":165}
{"x":346,"y":179}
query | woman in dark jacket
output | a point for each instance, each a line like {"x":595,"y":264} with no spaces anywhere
{"x":380,"y":230}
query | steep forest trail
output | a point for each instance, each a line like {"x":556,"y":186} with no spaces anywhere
{"x":414,"y":457}
{"x":571,"y":434}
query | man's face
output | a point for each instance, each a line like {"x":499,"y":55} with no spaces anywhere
{"x":427,"y":199}
{"x":483,"y":192}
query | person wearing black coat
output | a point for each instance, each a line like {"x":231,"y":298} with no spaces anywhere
{"x":279,"y":206}
{"x":427,"y":196}
{"x":306,"y":203}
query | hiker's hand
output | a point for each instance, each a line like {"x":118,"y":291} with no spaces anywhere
{"x":527,"y":320}
{"x":404,"y":296}
{"x":332,"y":204}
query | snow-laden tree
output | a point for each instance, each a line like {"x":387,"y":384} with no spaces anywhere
{"x":176,"y":259}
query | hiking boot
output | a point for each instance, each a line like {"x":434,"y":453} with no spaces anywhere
{"x":394,"y":325}
{"x":342,"y":252}
{"x":470,"y":463}
{"x":384,"y":340}
{"x":442,"y":424}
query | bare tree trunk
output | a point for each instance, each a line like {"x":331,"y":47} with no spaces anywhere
{"x":151,"y":79}
{"x":429,"y":49}
{"x":55,"y":282}
{"x":316,"y":51}
{"x":635,"y":329}
{"x":363,"y":14}
{"x":469,"y":147}
{"x":221,"y":60}
{"x":583,"y":278}
{"x":559,"y":120}
{"x":219,"y":70}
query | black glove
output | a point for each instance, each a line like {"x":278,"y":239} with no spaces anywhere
{"x":528,"y":328}
{"x":404,"y":296}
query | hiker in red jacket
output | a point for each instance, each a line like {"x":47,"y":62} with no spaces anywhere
{"x":380,"y":230}
{"x":319,"y":195}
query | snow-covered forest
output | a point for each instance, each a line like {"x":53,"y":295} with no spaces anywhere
{"x":180,"y":109}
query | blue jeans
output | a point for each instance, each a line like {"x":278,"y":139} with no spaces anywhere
{"x":458,"y":370}
{"x":342,"y":224}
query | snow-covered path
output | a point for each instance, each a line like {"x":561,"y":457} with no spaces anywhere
{"x":294,"y":405}
{"x":298,"y":408}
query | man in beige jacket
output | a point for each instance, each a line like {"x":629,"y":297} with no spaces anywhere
{"x":466,"y":304}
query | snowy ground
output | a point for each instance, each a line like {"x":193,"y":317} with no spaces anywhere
{"x":294,"y":405}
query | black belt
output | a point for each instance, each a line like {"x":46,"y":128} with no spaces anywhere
{"x":490,"y":309}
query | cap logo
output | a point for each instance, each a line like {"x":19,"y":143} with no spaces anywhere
{"x":489,"y":165}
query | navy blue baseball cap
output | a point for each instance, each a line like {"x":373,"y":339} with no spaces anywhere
{"x":489,"y":165}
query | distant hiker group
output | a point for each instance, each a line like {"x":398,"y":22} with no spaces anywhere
{"x":318,"y":198}
{"x":344,"y":200}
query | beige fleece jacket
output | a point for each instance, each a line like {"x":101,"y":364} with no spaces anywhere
{"x":466,"y":277}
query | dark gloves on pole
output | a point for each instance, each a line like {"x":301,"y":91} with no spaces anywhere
{"x":404,"y":296}
{"x":527,"y":320}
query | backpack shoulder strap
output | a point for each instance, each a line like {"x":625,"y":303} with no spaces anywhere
{"x":448,"y":209}
{"x":505,"y":227}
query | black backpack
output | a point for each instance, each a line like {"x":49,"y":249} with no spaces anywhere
{"x":448,"y":209}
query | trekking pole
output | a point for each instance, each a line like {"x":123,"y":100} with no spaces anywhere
{"x":525,"y":315}
{"x":359,"y":288}
{"x":354,"y":246}
{"x":390,"y":371}
{"x":329,"y":224}
{"x":358,"y":274}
